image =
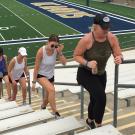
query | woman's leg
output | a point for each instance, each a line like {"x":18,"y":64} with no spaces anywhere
{"x":14,"y":88}
{"x":8,"y":87}
{"x":22,"y":82}
{"x":91,"y":108}
{"x":45,"y":100}
{"x":47,"y":86}
{"x":96,"y":89}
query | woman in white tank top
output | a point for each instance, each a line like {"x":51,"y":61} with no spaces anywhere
{"x":17,"y":70}
{"x":44,"y":70}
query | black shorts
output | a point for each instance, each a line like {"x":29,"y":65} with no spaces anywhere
{"x":23,"y":75}
{"x":4,"y":74}
{"x":50,"y":80}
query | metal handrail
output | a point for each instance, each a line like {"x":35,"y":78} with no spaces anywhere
{"x":116,"y":86}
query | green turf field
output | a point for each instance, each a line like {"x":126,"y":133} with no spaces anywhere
{"x":26,"y":23}
{"x":33,"y":23}
{"x":32,"y":49}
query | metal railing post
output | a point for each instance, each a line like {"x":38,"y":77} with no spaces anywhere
{"x":82,"y":102}
{"x":115,"y":95}
{"x":88,"y":3}
{"x":29,"y":91}
{"x":116,"y":86}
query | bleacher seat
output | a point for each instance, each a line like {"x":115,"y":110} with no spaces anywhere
{"x":8,"y":105}
{"x":15,"y":112}
{"x":105,"y":130}
{"x":24,"y":120}
{"x":61,"y":126}
{"x":2,"y":101}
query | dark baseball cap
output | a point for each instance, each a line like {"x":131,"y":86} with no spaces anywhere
{"x":103,"y":20}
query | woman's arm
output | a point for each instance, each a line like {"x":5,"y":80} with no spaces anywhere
{"x":61,"y":57}
{"x":84,"y":44}
{"x":81,"y":47}
{"x":5,"y":57}
{"x":26,"y":70}
{"x":38,"y":59}
{"x":10,"y":67}
{"x":117,"y":54}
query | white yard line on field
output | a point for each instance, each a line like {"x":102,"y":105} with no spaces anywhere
{"x":2,"y":37}
{"x":22,"y":20}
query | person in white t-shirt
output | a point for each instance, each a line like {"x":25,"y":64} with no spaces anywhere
{"x":17,"y":71}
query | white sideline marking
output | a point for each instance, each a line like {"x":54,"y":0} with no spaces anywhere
{"x":2,"y":37}
{"x":124,"y":30}
{"x":23,"y":20}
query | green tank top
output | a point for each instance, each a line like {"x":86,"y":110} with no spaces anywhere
{"x":100,"y":52}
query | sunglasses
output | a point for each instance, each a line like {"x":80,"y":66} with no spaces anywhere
{"x":54,"y":46}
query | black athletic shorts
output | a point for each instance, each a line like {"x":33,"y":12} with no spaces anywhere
{"x":51,"y":79}
{"x":23,"y":75}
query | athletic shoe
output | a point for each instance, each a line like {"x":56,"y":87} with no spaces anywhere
{"x":43,"y":107}
{"x":91,"y":124}
{"x":24,"y":103}
{"x":57,"y":115}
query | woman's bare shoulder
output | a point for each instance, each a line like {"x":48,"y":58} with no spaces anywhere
{"x":86,"y":39}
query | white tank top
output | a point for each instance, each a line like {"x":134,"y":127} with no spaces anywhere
{"x":47,"y":64}
{"x":18,"y":69}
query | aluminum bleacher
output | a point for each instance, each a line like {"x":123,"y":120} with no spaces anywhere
{"x":57,"y":127}
{"x":28,"y":119}
{"x":8,"y":105}
{"x":15,"y":112}
{"x":105,"y":130}
{"x":2,"y":101}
